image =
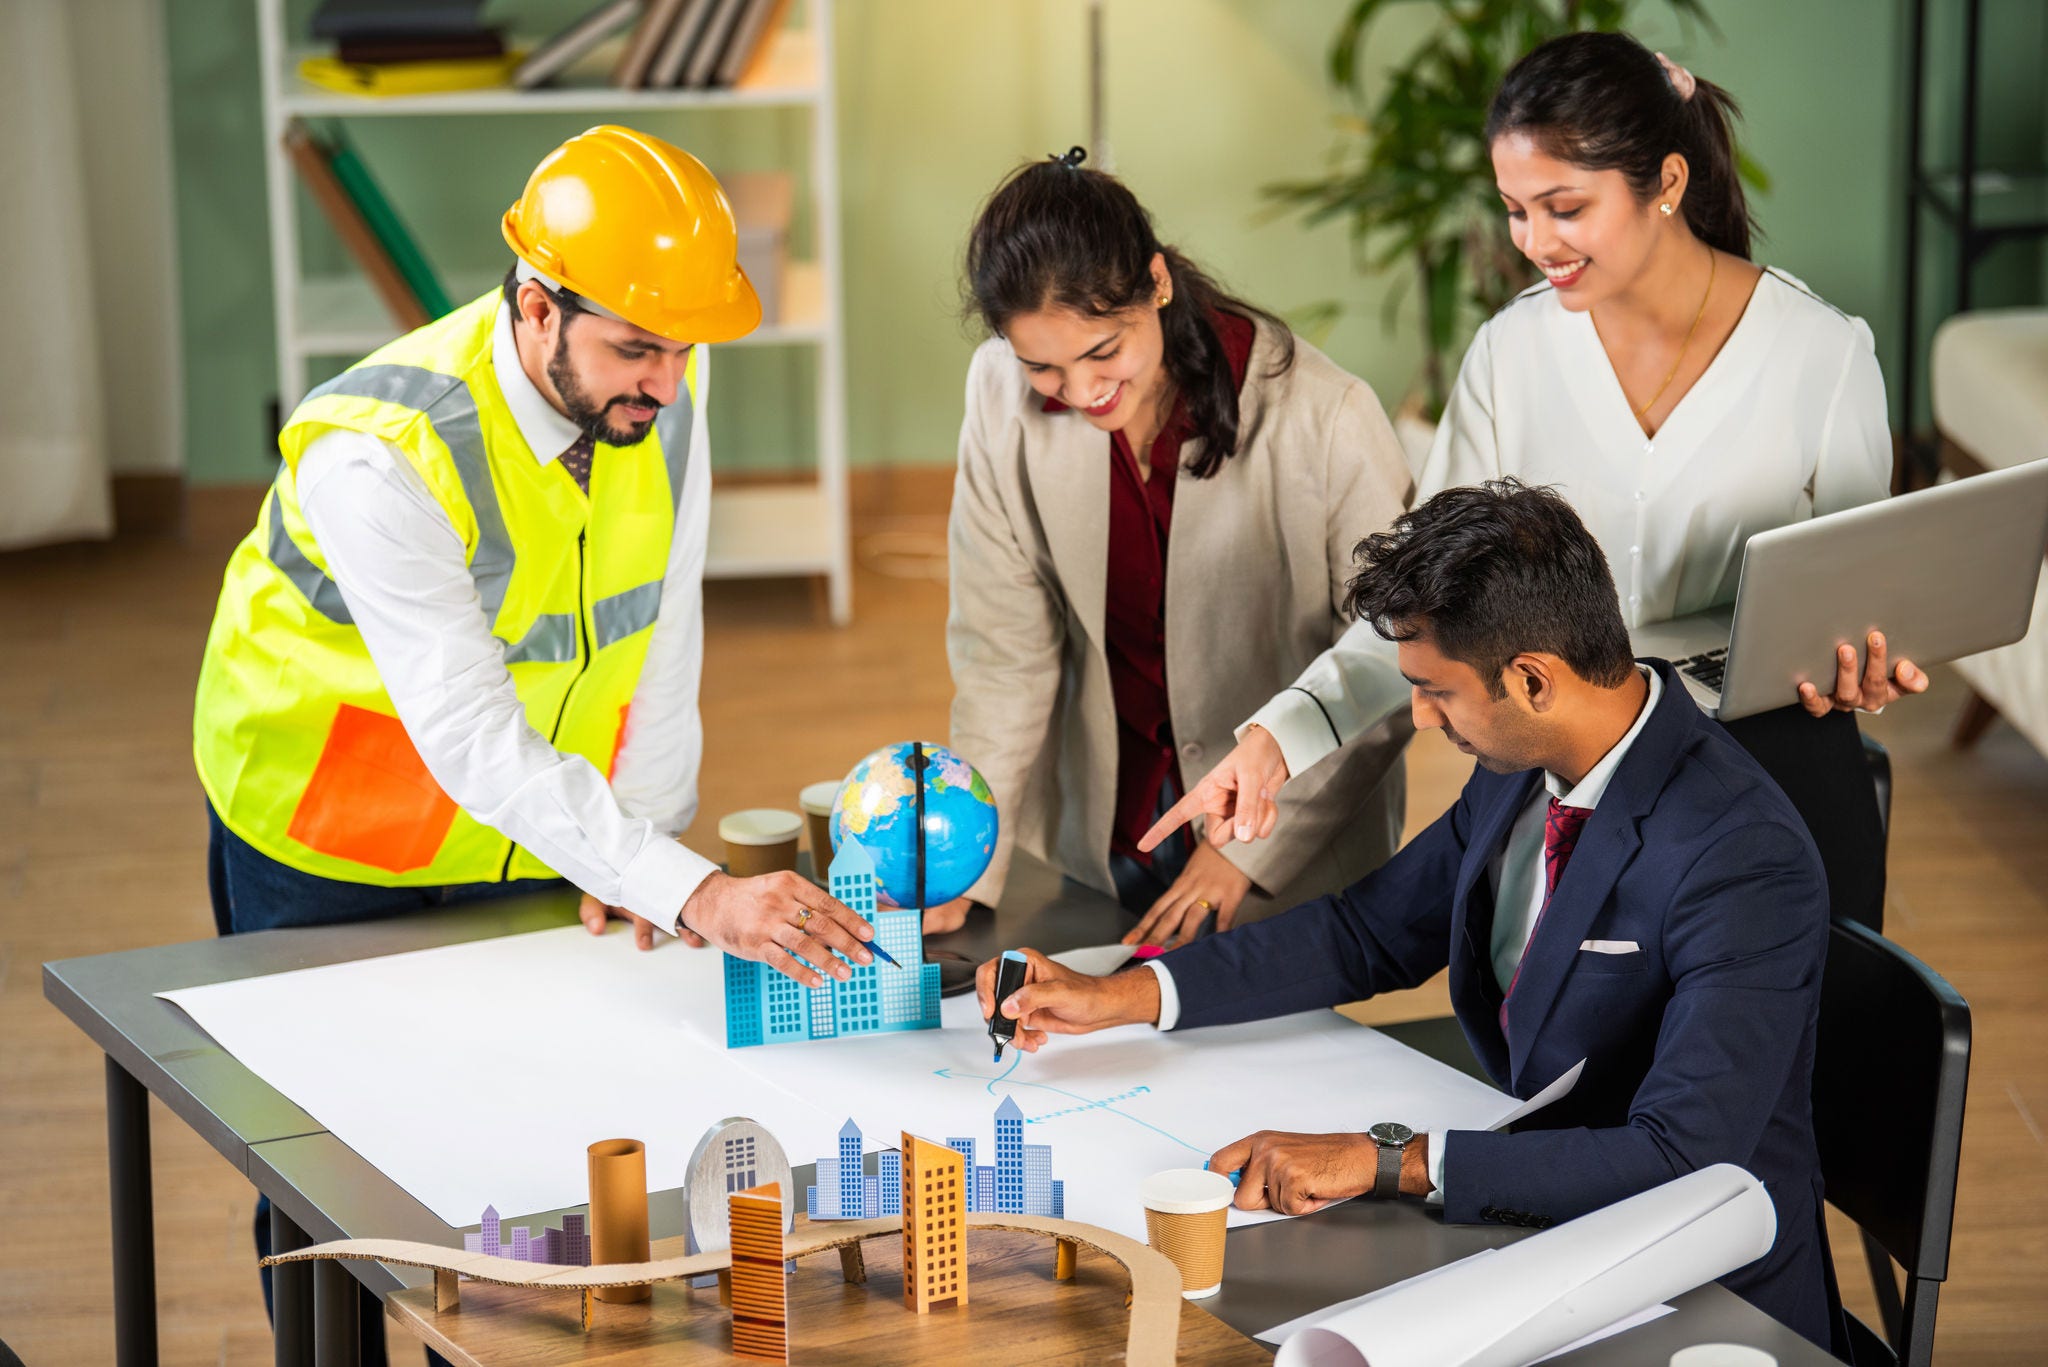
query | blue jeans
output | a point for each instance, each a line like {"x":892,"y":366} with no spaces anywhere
{"x":252,"y":891}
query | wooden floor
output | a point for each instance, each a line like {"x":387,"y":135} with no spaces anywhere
{"x":102,"y":839}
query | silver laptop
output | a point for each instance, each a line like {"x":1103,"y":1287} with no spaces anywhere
{"x":1943,"y":572}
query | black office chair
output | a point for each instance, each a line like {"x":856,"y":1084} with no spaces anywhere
{"x":1879,"y":761}
{"x":1891,"y":1067}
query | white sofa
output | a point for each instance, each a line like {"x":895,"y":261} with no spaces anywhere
{"x":1989,"y":383}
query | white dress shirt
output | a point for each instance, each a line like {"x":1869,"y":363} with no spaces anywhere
{"x":1516,"y":875}
{"x":1788,"y":422}
{"x":399,"y":563}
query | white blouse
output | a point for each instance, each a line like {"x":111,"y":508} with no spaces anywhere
{"x":1788,"y":421}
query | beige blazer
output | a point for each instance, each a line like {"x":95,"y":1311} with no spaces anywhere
{"x":1256,"y":570}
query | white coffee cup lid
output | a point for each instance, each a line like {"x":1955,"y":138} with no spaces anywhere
{"x":819,"y":797}
{"x":760,"y":826}
{"x":1722,"y":1355}
{"x":1186,"y":1191}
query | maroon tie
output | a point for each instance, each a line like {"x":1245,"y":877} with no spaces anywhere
{"x":1561,"y":827}
{"x":576,"y":460}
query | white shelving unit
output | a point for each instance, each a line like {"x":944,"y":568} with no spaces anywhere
{"x":778,"y":530}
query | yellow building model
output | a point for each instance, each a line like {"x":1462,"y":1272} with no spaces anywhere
{"x":760,"y":1295}
{"x":934,"y":1261}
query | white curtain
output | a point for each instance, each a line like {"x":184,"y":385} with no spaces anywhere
{"x":90,"y":378}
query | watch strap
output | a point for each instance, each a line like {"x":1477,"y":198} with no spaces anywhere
{"x":1387,"y":1185}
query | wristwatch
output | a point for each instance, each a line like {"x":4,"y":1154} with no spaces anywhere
{"x":1392,"y":1137}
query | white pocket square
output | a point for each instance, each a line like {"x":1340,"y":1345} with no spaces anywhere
{"x":1610,"y":947}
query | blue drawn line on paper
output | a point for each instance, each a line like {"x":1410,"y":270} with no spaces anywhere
{"x":1104,"y":1104}
{"x":1015,"y":1059}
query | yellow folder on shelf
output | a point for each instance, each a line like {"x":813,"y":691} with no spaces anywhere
{"x":377,"y":79}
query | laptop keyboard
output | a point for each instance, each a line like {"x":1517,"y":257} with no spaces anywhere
{"x":1707,"y":666}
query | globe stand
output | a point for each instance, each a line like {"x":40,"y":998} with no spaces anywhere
{"x":918,"y":762}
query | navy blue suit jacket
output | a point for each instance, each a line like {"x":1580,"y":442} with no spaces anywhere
{"x":1698,"y":1048}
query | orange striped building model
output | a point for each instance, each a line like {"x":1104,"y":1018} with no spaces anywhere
{"x":760,"y":1295}
{"x":934,"y":1226}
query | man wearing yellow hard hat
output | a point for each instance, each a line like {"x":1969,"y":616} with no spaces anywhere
{"x":458,"y":656}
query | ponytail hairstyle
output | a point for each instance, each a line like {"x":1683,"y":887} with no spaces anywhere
{"x":1605,"y":102}
{"x":1056,"y":236}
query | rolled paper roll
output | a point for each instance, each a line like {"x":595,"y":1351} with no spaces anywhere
{"x":618,"y":1211}
{"x":1515,"y":1304}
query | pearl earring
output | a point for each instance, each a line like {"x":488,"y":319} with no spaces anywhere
{"x":1664,"y":209}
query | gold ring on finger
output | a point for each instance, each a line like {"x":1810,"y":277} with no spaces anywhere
{"x":803,"y":917}
{"x":1205,"y":904}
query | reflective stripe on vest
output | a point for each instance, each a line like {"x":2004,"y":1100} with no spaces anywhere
{"x":308,"y":578}
{"x":450,"y":409}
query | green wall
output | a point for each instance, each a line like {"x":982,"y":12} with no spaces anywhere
{"x":1208,"y":99}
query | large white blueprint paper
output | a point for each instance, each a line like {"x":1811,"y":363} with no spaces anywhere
{"x":1518,"y":1304}
{"x":1119,"y":1105}
{"x":479,"y":1073}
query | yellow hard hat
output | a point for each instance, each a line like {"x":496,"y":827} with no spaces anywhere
{"x":641,"y":228}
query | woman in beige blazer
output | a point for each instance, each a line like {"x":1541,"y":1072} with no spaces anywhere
{"x":1158,"y":494}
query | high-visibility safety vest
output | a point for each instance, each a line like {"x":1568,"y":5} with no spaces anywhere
{"x":297,"y":742}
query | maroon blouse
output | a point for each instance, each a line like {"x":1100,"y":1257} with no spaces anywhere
{"x":1140,"y":520}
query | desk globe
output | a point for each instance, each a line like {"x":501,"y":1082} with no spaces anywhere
{"x":878,"y":806}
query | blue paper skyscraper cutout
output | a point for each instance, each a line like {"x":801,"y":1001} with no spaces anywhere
{"x":1019,"y":1183}
{"x":844,"y":1192}
{"x":765,"y":1007}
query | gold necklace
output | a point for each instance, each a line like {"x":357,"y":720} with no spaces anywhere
{"x":1713,"y":263}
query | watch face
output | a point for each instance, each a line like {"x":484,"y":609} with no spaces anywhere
{"x":1391,"y":1133}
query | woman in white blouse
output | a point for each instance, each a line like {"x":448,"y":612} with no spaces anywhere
{"x":1680,"y":396}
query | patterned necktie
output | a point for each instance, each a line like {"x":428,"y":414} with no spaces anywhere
{"x":576,"y":460}
{"x":1561,"y":827}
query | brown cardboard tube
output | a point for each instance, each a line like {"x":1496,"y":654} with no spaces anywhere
{"x":618,"y":1211}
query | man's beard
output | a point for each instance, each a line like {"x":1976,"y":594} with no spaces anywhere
{"x":591,"y":417}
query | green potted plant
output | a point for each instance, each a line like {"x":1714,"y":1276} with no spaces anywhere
{"x":1412,"y":177}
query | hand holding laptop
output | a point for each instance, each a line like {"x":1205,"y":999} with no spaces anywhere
{"x":1868,"y":690}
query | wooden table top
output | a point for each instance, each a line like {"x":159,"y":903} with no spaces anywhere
{"x":1016,"y":1312}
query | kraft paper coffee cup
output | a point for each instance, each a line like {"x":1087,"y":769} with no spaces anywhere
{"x":1186,"y":1210}
{"x":760,"y":840}
{"x":816,"y":800}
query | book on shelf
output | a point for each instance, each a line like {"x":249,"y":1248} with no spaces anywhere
{"x":560,"y":52}
{"x":311,"y":160}
{"x":384,"y":79}
{"x":677,"y":44}
{"x":710,"y":45}
{"x":638,"y":56}
{"x":482,"y":43}
{"x":391,"y":231}
{"x":750,"y":40}
{"x":763,"y":204}
{"x":352,"y":19}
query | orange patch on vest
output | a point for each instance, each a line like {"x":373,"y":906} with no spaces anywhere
{"x":371,"y":798}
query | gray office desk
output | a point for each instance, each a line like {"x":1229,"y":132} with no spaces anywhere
{"x":322,"y":1190}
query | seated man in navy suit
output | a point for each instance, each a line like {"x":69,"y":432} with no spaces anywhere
{"x":1619,"y":882}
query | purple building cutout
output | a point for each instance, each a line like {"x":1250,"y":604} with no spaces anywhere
{"x":568,"y":1246}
